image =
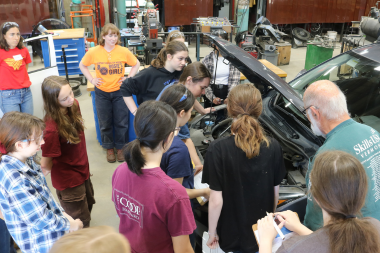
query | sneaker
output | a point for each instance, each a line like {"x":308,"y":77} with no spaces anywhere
{"x":111,"y":156}
{"x":120,"y":156}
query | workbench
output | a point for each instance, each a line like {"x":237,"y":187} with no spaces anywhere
{"x":75,"y":51}
{"x":270,"y":66}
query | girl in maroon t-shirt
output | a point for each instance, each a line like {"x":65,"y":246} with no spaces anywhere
{"x":15,"y":94}
{"x":154,"y":210}
{"x":64,"y":153}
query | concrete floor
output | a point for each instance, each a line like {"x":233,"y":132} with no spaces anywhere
{"x":103,"y":212}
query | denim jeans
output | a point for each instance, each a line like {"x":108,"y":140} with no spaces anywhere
{"x":20,"y":100}
{"x":6,"y":241}
{"x":113,"y":115}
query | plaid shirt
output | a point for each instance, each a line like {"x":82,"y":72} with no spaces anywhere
{"x":233,"y":78}
{"x":33,"y":218}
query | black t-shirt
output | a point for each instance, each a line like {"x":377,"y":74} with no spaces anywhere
{"x":247,"y":187}
{"x":148,"y":83}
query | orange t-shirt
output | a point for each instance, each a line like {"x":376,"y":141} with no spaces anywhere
{"x":109,"y":65}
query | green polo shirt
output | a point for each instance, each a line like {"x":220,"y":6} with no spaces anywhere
{"x":363,"y":142}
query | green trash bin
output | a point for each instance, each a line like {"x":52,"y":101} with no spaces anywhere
{"x":316,"y":54}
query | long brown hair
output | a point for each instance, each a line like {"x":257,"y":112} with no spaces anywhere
{"x":171,"y":48}
{"x":105,"y":30}
{"x":17,"y":126}
{"x":102,"y":239}
{"x":70,"y":125}
{"x":4,"y":29}
{"x":339,"y":185}
{"x":245,"y":106}
{"x":197,"y":70}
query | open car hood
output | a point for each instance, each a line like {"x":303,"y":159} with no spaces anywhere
{"x":255,"y":71}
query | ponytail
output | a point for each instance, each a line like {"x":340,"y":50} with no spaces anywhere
{"x":134,"y":157}
{"x":245,"y":105}
{"x":340,"y":187}
{"x":171,"y":48}
{"x":153,"y":123}
{"x":353,"y":235}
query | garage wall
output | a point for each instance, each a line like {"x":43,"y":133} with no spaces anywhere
{"x":320,"y":11}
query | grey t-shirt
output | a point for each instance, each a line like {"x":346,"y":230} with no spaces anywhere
{"x":317,"y":242}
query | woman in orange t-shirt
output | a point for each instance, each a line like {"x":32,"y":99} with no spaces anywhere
{"x":109,"y":59}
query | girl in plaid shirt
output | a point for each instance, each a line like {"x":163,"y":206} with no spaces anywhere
{"x":34,"y":219}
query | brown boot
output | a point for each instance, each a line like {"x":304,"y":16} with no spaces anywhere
{"x":111,"y":156}
{"x":120,"y":156}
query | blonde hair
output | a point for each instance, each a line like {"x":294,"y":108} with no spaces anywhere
{"x":101,"y":239}
{"x":175,"y":35}
{"x":245,"y":105}
{"x":105,"y":31}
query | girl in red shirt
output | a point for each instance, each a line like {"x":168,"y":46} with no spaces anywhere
{"x":15,"y":94}
{"x":64,"y":153}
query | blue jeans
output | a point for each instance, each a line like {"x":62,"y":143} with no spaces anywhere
{"x":113,"y":115}
{"x":20,"y":100}
{"x":6,"y":241}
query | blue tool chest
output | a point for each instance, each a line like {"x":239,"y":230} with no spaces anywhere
{"x":74,"y":54}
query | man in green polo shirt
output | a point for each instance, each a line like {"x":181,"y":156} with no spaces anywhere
{"x":326,"y":108}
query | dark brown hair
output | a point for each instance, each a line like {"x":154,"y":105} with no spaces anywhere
{"x":339,"y":185}
{"x":245,"y":105}
{"x":154,"y":121}
{"x":197,"y":70}
{"x":101,"y":239}
{"x":17,"y":126}
{"x":171,"y":48}
{"x":105,"y":31}
{"x":4,"y":29}
{"x":70,"y":125}
{"x":174,"y":94}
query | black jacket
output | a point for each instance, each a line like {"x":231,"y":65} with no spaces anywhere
{"x":148,"y":83}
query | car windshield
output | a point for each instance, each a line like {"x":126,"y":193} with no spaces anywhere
{"x":359,"y":79}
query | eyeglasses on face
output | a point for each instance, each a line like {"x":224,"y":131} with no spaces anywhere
{"x":37,"y":140}
{"x":304,"y":112}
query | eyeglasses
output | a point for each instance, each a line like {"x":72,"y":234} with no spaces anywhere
{"x":39,"y":139}
{"x":184,"y":96}
{"x":305,"y":110}
{"x":10,"y":24}
{"x":176,"y":131}
{"x":178,"y":34}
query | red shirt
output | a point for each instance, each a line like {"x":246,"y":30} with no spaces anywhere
{"x":70,"y":161}
{"x":152,"y":209}
{"x":13,"y":72}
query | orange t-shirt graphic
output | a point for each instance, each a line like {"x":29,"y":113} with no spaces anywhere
{"x":109,"y":65}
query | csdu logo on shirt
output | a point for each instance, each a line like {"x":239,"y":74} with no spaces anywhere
{"x":126,"y":205}
{"x":110,"y":68}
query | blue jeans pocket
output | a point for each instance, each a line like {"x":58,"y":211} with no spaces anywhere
{"x":7,"y":93}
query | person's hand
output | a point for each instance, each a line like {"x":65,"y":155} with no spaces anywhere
{"x":97,"y":81}
{"x":291,"y":221}
{"x":226,"y":101}
{"x":216,"y":101}
{"x":213,"y":241}
{"x":45,"y":171}
{"x":75,"y":225}
{"x":68,"y":216}
{"x":121,"y":80}
{"x":267,"y":232}
{"x":207,"y":193}
{"x":208,"y":109}
{"x":198,"y":168}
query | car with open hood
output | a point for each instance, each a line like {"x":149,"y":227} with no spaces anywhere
{"x":356,"y":72}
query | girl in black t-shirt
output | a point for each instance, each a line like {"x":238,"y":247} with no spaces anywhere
{"x":244,"y":172}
